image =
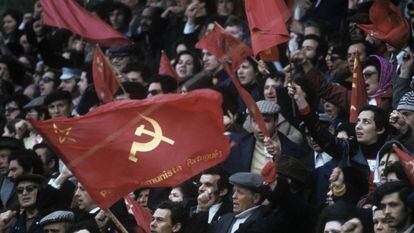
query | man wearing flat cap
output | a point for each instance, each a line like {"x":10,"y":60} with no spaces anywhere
{"x":58,"y":221}
{"x":69,"y":80}
{"x":248,"y":213}
{"x":253,"y":151}
{"x":59,"y":104}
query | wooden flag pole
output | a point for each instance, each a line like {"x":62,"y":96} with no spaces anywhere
{"x":258,"y":63}
{"x":290,"y":82}
{"x":115,"y":220}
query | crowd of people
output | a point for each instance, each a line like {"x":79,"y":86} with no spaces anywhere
{"x":317,"y":172}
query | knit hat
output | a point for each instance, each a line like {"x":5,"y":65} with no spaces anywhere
{"x":407,"y":102}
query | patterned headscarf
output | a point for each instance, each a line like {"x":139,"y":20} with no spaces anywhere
{"x":387,"y":71}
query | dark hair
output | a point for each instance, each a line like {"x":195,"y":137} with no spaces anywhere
{"x":177,"y":211}
{"x":58,"y":95}
{"x":380,"y":118}
{"x":372,"y":61}
{"x":168,"y":83}
{"x":340,"y":211}
{"x":402,"y":188}
{"x":49,"y":153}
{"x":398,"y":169}
{"x":138,"y":67}
{"x":368,"y":48}
{"x":134,"y":89}
{"x":126,"y":11}
{"x":321,"y":49}
{"x":196,"y":61}
{"x":223,"y":182}
{"x":29,"y":160}
{"x":15,"y":14}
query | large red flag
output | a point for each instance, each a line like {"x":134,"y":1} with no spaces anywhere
{"x":125,"y":145}
{"x":105,"y":81}
{"x":142,"y":216}
{"x":267,"y":20}
{"x":359,"y":97}
{"x":407,"y":162}
{"x":231,"y":52}
{"x":166,"y":67}
{"x":68,"y":14}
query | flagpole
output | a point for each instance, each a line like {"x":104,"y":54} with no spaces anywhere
{"x":290,"y":82}
{"x":258,"y":63}
{"x":115,"y":220}
{"x":116,"y":71}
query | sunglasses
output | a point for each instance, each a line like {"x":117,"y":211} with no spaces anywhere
{"x":47,"y":79}
{"x":368,"y":74}
{"x":28,"y":189}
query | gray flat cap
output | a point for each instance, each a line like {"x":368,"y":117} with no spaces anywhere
{"x":267,"y":107}
{"x":58,"y":216}
{"x":35,"y":103}
{"x":247,"y":180}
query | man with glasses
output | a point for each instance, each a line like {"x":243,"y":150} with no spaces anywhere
{"x":48,"y":83}
{"x":162,"y":84}
{"x":27,"y":220}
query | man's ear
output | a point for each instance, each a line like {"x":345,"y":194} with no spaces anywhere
{"x":256,"y":198}
{"x":223,"y":192}
{"x":176,"y":227}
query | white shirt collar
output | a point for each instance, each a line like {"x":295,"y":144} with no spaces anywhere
{"x":213,"y":210}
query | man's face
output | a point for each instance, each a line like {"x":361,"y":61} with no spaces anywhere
{"x":371,"y":78}
{"x":270,"y":89}
{"x":4,"y":161}
{"x":41,"y":152}
{"x":352,"y":49}
{"x":46,"y":83}
{"x":270,"y":124}
{"x":408,"y":117}
{"x":209,"y":186}
{"x":225,"y":7}
{"x":119,"y":60}
{"x":210,"y":63}
{"x":386,"y":161}
{"x":309,"y":47}
{"x":60,"y":108}
{"x":117,"y":19}
{"x":27,"y":193}
{"x":380,"y":225}
{"x":12,"y":110}
{"x":146,"y":20}
{"x":235,"y":31}
{"x":397,"y":215}
{"x":366,"y":130}
{"x":154,"y":89}
{"x":69,"y":85}
{"x":332,"y":227}
{"x":84,"y":201}
{"x":161,"y":221}
{"x":176,"y":195}
{"x":15,"y":170}
{"x":243,"y":199}
{"x":312,"y":143}
{"x":58,"y":227}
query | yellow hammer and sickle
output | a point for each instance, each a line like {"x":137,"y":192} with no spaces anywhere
{"x":151,"y":145}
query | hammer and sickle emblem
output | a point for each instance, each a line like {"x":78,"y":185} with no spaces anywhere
{"x":151,"y":145}
{"x":353,"y":108}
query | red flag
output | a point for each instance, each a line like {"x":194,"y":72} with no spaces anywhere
{"x":225,"y":47}
{"x":105,"y":81}
{"x":142,"y":216}
{"x":68,"y":14}
{"x":407,"y":162}
{"x":267,"y":20}
{"x":388,"y":24}
{"x":359,"y":97}
{"x":228,"y":49}
{"x":128,"y":144}
{"x":166,"y":68}
{"x":271,"y":54}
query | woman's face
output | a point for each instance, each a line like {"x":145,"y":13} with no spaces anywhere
{"x":246,"y":73}
{"x":270,"y":89}
{"x":225,"y":7}
{"x":385,"y":161}
{"x":185,"y":66}
{"x":9,"y":24}
{"x":176,"y":195}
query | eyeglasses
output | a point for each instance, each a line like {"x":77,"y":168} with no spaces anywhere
{"x":368,"y":74}
{"x":29,"y":189}
{"x":46,"y":79}
{"x":155,"y":92}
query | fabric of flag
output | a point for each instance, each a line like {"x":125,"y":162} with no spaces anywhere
{"x":267,"y":23}
{"x":128,"y":144}
{"x":231,"y":53}
{"x":166,"y":67}
{"x":359,"y":97}
{"x":407,"y":162}
{"x":105,"y":80}
{"x":142,"y":216}
{"x":70,"y":15}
